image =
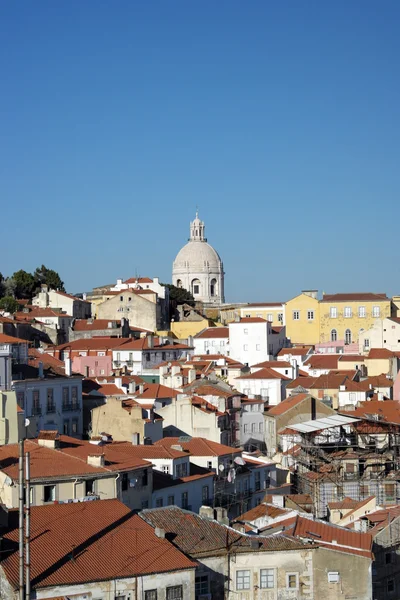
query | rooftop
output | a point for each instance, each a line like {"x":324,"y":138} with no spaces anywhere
{"x":213,"y":332}
{"x":75,"y":543}
{"x":354,"y":297}
{"x":265,"y":373}
{"x":198,"y":446}
{"x":287,"y":404}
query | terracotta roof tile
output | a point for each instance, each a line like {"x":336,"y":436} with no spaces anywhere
{"x":153,"y":391}
{"x":381,"y":410}
{"x":295,"y":351}
{"x":322,"y":361}
{"x":287,"y":404}
{"x":265,"y":373}
{"x":75,"y":543}
{"x":354,"y":297}
{"x":9,"y":339}
{"x":262,"y":510}
{"x":199,"y":446}
{"x":273,"y":364}
{"x":381,"y":353}
{"x":213,"y":332}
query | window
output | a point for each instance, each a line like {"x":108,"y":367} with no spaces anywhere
{"x":184,"y":500}
{"x":245,"y":347}
{"x":74,"y":397}
{"x":376,"y":311}
{"x":390,"y":586}
{"x":205,"y":493}
{"x":333,"y":577}
{"x":50,"y":401}
{"x":181,"y":470}
{"x":347,"y":337}
{"x":333,"y":312}
{"x":121,"y":298}
{"x":388,"y":558}
{"x":366,"y":343}
{"x":257,"y":481}
{"x":49,"y":493}
{"x":253,"y":427}
{"x":361,"y":311}
{"x":145,"y":504}
{"x":280,"y":317}
{"x":260,"y":427}
{"x":270,"y":317}
{"x":347,"y":312}
{"x":245,"y":331}
{"x":175,"y":592}
{"x":150,"y":595}
{"x":242,"y":580}
{"x":267,"y":578}
{"x":292,"y":581}
{"x":258,"y":346}
{"x":124,"y":482}
{"x":296,"y":315}
{"x":246,"y":428}
{"x":171,"y":500}
{"x":165,"y":468}
{"x":89,"y":487}
{"x":66,"y":427}
{"x":209,"y":464}
{"x":74,"y":426}
{"x":21,"y":399}
{"x":65,"y":398}
{"x":159,"y":502}
{"x":101,"y":354}
{"x":310,"y":315}
{"x":145,"y":478}
{"x":201,"y":585}
{"x":333,"y":335}
{"x":36,"y":410}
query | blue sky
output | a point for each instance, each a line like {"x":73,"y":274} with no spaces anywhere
{"x":280,"y":120}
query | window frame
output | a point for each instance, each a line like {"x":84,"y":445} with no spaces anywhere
{"x":295,"y":315}
{"x":150,"y":594}
{"x":288,"y":576}
{"x":178,"y":588}
{"x":333,"y":312}
{"x":271,"y":572}
{"x":243,"y":579}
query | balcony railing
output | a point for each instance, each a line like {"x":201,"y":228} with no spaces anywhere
{"x":51,"y":408}
{"x":36,"y":410}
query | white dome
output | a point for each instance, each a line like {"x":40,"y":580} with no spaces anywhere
{"x":198,"y":256}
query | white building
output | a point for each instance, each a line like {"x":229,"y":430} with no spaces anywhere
{"x":198,"y":267}
{"x":70,"y":305}
{"x":146,"y":354}
{"x":385,"y":333}
{"x":143,"y":283}
{"x":213,"y":340}
{"x":250,"y":340}
{"x":267,"y":384}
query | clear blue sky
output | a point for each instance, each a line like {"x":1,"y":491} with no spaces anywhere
{"x":281,"y":120}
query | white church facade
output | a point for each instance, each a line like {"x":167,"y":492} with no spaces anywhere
{"x":198,"y":267}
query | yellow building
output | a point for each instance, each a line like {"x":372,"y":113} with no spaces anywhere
{"x":274,"y":312}
{"x":343,"y":316}
{"x":302,"y":318}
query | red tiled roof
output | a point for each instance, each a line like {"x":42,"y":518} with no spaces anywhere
{"x":352,"y":358}
{"x":348,"y":504}
{"x":209,"y":390}
{"x":287,"y":404}
{"x":378,"y":381}
{"x":231,"y":362}
{"x":213,"y":332}
{"x":49,"y":362}
{"x":262,"y":510}
{"x":139,"y":280}
{"x":322,"y":361}
{"x":75,"y":543}
{"x":273,"y":364}
{"x":9,"y":339}
{"x":265,"y":373}
{"x":330,"y":536}
{"x":255,"y":304}
{"x":95,"y":343}
{"x":197,"y":536}
{"x":329,"y":382}
{"x":249,"y":320}
{"x":385,"y":410}
{"x":354,"y":297}
{"x":295,"y":351}
{"x":199,"y":446}
{"x":304,"y":381}
{"x":94,"y":324}
{"x":380,"y":353}
{"x":69,"y":296}
{"x":156,"y":390}
{"x":381,"y":518}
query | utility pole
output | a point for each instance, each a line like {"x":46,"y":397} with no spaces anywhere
{"x":21,"y":519}
{"x":27,"y":527}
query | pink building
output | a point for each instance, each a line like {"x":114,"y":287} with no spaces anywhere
{"x":92,"y":366}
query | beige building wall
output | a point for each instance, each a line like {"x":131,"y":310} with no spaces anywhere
{"x":275,"y":314}
{"x":355,"y":578}
{"x":183,"y":329}
{"x":140,"y":310}
{"x":355,"y":323}
{"x":186,"y":419}
{"x":117,"y":421}
{"x":300,"y":327}
{"x":377,"y":366}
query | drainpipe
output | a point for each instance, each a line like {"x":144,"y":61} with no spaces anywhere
{"x":74,"y":484}
{"x":116,"y":487}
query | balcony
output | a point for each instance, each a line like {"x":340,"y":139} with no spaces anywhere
{"x":67,"y":406}
{"x":51,"y":408}
{"x":36,"y":410}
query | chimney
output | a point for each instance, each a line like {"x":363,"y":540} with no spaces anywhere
{"x":84,"y":296}
{"x":48,"y":439}
{"x":295,"y":366}
{"x":119,"y":281}
{"x":96,"y":460}
{"x":190,"y":340}
{"x":207,"y":512}
{"x":191,"y":375}
{"x":118,"y":382}
{"x":141,"y":388}
{"x":135,"y":439}
{"x":237,"y":318}
{"x":222,"y":515}
{"x":380,"y":396}
{"x":67,"y":364}
{"x":132,"y":387}
{"x":41,"y":375}
{"x":150,"y":341}
{"x":160,"y":533}
{"x":278,"y":500}
{"x":177,"y":447}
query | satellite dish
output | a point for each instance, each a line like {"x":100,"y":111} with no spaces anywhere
{"x":239,"y":461}
{"x":221,"y":468}
{"x":27,"y":422}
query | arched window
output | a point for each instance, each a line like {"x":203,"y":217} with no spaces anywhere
{"x":196,"y":287}
{"x":347,"y":336}
{"x":213,"y":287}
{"x":179,"y":283}
{"x":333,"y":335}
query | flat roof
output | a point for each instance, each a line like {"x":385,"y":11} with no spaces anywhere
{"x":324,"y":423}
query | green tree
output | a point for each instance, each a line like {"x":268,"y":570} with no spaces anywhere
{"x":24,"y":284}
{"x":179,"y":295}
{"x":9,"y":304}
{"x":2,"y":285}
{"x":43,"y":275}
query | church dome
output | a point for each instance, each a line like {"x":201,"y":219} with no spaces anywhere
{"x":198,"y":267}
{"x":196,"y":256}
